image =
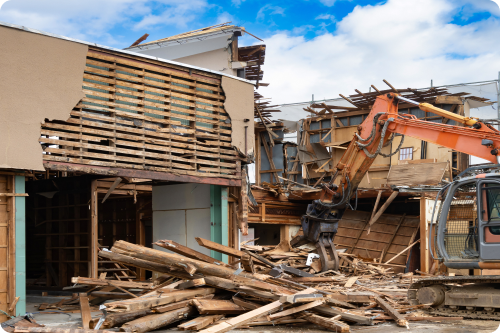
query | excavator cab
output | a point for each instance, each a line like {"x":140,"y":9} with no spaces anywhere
{"x":467,"y":236}
{"x":468,"y":223}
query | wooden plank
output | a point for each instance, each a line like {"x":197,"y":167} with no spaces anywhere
{"x":219,"y":247}
{"x":187,"y":252}
{"x":120,"y":288}
{"x":12,"y":307}
{"x":331,"y":325}
{"x":449,"y":100}
{"x":249,"y":316}
{"x":117,"y":319}
{"x":417,"y":174}
{"x":295,"y":309}
{"x":178,"y":305}
{"x":394,"y":314}
{"x":351,"y":281}
{"x":150,"y":302}
{"x":382,"y":209}
{"x":400,"y":253}
{"x":245,"y":304}
{"x":199,"y":323}
{"x":155,"y":321}
{"x":100,"y":170}
{"x":85,"y":311}
{"x":192,"y":283}
{"x":247,"y":263}
{"x":217,"y":307}
{"x":99,"y":282}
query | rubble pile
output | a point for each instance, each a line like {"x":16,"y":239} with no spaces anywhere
{"x":274,"y":286}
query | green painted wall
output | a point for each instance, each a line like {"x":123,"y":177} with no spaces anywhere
{"x":20,"y":246}
{"x":219,"y":231}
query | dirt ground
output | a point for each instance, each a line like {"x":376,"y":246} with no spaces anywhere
{"x":73,"y":320}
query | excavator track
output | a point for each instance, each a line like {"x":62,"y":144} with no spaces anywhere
{"x":492,"y":313}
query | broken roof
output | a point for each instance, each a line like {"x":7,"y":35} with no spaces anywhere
{"x":35,"y":31}
{"x":194,"y":35}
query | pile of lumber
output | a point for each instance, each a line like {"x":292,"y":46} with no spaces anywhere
{"x":196,"y":292}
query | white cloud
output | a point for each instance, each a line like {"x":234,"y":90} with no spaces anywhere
{"x":174,"y":12}
{"x":328,"y":3}
{"x":271,"y":10}
{"x":405,"y":42}
{"x":224,"y":17}
{"x":92,"y":20}
{"x":326,"y":17}
{"x":237,"y":3}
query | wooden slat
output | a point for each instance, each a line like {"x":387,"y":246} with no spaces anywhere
{"x":143,"y":114}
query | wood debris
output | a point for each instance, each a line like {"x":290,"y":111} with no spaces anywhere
{"x":196,"y":292}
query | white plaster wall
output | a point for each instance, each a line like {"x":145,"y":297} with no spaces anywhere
{"x":173,"y":52}
{"x":180,"y":213}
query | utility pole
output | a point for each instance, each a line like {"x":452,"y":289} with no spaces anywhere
{"x":498,"y":96}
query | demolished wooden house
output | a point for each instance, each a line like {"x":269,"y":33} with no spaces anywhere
{"x":105,"y":145}
{"x":385,"y":222}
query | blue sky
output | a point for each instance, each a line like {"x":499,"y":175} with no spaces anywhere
{"x":325,"y":47}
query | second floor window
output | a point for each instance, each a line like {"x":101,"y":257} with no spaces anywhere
{"x":406,"y":154}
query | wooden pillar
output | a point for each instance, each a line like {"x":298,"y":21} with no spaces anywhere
{"x":93,"y":229}
{"x":284,"y":232}
{"x":424,"y":241}
{"x":140,"y":234}
{"x":7,"y":245}
{"x":257,"y":158}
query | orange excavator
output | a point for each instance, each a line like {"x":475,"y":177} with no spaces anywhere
{"x":466,"y":238}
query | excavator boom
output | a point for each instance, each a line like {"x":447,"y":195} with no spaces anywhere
{"x":378,"y":130}
{"x":468,"y":223}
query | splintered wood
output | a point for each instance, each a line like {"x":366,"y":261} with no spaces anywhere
{"x":206,"y":295}
{"x":142,"y":114}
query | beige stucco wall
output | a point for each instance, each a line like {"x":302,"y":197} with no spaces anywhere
{"x":41,"y":78}
{"x":239,"y":105}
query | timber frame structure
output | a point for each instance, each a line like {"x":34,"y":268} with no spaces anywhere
{"x":134,"y":122}
{"x":144,"y":119}
{"x":291,"y":176}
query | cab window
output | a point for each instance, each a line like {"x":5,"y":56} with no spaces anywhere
{"x":491,"y":201}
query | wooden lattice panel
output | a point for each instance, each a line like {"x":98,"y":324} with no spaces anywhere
{"x":142,"y":115}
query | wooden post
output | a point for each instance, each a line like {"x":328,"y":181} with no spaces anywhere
{"x":285,"y":233}
{"x":93,"y":229}
{"x":424,"y":252}
{"x":140,"y":234}
{"x":263,"y":211}
{"x":376,"y":203}
{"x":383,"y":208}
{"x":257,"y":158}
{"x":85,"y":311}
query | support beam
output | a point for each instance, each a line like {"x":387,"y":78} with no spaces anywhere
{"x":93,"y":230}
{"x":376,"y":203}
{"x":112,"y":188}
{"x":132,"y":173}
{"x":382,"y":209}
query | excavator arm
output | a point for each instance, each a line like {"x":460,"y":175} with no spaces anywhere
{"x":379,"y":128}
